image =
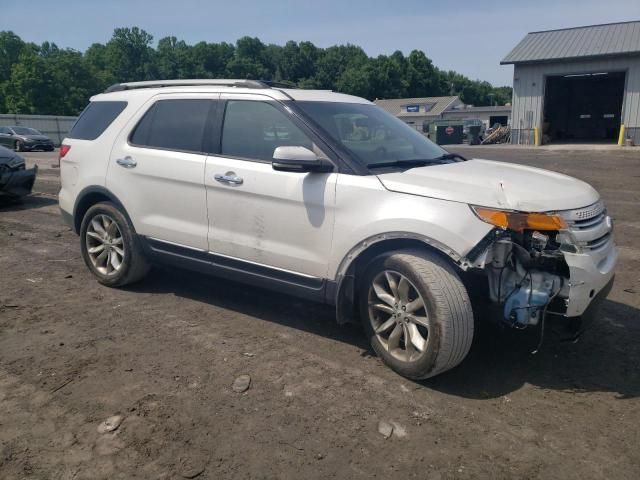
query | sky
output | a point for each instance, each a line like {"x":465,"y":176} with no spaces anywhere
{"x":470,"y":37}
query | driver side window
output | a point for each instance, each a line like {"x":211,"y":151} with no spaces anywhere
{"x":254,"y":129}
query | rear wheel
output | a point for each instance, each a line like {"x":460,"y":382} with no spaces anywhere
{"x":110,"y":247}
{"x":416,"y":313}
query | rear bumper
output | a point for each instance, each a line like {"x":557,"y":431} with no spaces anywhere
{"x":67,"y":218}
{"x":37,"y":146}
{"x":18,"y":183}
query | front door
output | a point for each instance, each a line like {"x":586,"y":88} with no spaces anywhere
{"x":157,"y":168}
{"x":259,"y":215}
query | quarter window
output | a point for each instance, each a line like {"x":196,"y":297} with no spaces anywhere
{"x":95,"y":119}
{"x":254,"y":129}
{"x":174,"y":125}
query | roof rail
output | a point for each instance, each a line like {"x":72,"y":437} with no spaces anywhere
{"x":279,"y":84}
{"x":118,"y":87}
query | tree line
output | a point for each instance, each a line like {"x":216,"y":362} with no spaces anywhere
{"x":46,"y":79}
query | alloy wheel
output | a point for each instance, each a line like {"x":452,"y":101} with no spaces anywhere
{"x":398,"y":315}
{"x":105,"y":245}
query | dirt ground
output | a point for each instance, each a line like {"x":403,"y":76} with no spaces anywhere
{"x":164,"y":355}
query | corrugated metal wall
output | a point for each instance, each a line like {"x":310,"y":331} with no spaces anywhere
{"x":528,"y":93}
{"x":54,"y":127}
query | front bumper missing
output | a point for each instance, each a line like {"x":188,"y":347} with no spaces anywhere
{"x":18,"y":183}
{"x":590,"y":274}
{"x":569,"y":329}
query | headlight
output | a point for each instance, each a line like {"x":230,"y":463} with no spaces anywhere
{"x":519,"y":221}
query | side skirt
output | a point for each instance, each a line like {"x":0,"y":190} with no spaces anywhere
{"x":311,"y":288}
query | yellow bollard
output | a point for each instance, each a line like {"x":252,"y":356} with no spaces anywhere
{"x":536,"y":136}
{"x":621,"y":136}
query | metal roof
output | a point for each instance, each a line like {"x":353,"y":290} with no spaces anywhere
{"x":577,"y":43}
{"x":486,"y":108}
{"x":394,"y":106}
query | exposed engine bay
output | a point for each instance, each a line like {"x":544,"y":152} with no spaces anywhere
{"x":526,"y":272}
{"x":551,"y":263}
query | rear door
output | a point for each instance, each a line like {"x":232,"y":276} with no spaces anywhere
{"x":157,"y":168}
{"x":282,"y":220}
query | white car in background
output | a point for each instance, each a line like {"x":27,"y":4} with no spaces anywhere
{"x":326,"y":196}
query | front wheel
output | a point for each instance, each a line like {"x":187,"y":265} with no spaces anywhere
{"x":110,"y":247}
{"x":416,"y":313}
{"x":18,"y":147}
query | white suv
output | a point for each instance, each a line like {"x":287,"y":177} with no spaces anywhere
{"x":326,"y":196}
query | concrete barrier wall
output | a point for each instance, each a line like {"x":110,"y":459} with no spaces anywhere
{"x":54,"y":127}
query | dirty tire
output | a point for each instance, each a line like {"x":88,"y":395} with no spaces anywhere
{"x":134,"y":265}
{"x":446,"y":301}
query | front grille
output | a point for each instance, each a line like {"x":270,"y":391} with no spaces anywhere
{"x":590,"y":222}
{"x":586,"y":213}
{"x":590,"y":227}
{"x":598,"y":242}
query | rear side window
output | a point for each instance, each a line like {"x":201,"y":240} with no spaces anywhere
{"x":95,"y":119}
{"x":174,"y":125}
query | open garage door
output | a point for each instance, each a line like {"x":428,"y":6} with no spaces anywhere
{"x":583,"y":108}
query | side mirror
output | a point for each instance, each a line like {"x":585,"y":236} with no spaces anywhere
{"x":299,"y":159}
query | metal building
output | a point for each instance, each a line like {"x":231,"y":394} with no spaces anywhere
{"x":577,"y":85}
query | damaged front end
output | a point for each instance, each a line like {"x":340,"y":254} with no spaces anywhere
{"x":15,"y":179}
{"x":559,"y":263}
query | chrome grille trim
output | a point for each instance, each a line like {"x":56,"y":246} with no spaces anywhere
{"x":585,"y":213}
{"x":599,"y":242}
{"x":589,"y":227}
{"x":590,"y":222}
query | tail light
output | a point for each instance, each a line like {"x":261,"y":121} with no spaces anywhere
{"x":64,"y":149}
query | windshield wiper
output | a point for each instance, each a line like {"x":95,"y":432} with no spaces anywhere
{"x":402,"y":163}
{"x":417,"y":162}
{"x":450,"y":156}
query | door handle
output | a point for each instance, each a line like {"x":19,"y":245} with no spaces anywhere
{"x":126,"y":162}
{"x":229,"y":177}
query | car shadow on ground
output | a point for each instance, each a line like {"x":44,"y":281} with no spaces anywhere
{"x":605,"y":359}
{"x":25,"y":203}
{"x":255,"y":302}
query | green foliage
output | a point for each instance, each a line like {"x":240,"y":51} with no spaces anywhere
{"x":45,"y":79}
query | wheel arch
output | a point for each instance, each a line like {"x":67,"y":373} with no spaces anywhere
{"x":345,"y":285}
{"x":89,"y":197}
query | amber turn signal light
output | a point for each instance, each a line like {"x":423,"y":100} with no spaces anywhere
{"x":518,"y":221}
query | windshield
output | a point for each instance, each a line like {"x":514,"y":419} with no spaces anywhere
{"x":371,"y":135}
{"x":26,"y":131}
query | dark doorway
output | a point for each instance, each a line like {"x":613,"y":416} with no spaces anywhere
{"x":501,"y":119}
{"x":583,"y":107}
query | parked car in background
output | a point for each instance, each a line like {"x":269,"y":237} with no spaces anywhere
{"x":15,"y":180}
{"x":23,"y":139}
